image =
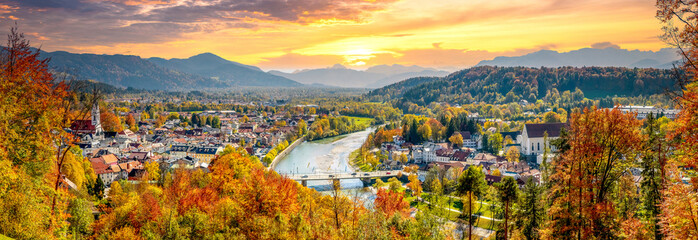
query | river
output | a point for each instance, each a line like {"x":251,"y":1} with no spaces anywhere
{"x":324,"y":157}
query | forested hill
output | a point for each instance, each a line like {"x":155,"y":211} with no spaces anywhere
{"x":506,"y":84}
{"x":126,"y":71}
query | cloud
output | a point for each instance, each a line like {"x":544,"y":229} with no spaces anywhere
{"x":299,"y":61}
{"x":106,"y":22}
{"x":604,"y":45}
{"x":436,"y":57}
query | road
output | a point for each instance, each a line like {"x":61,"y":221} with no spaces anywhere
{"x":332,"y":176}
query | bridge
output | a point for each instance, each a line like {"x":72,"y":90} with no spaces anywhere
{"x":304,"y":178}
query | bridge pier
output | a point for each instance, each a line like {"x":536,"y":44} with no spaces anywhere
{"x":366,"y":181}
{"x":335,"y":184}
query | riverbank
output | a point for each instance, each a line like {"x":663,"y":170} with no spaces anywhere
{"x":285,"y":152}
{"x":324,"y":157}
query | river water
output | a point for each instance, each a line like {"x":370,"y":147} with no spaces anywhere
{"x":324,"y":157}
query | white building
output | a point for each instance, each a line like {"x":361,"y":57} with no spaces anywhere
{"x":643,"y":111}
{"x":532,"y":136}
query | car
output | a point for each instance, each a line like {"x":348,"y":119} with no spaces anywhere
{"x":366,"y":174}
{"x":353,"y":174}
{"x":331,"y":175}
{"x":304,"y":176}
{"x":387,"y":173}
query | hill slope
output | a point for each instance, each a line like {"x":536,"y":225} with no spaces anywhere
{"x":126,"y":71}
{"x":507,"y":84}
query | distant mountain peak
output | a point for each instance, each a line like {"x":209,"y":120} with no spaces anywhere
{"x":338,"y":66}
{"x":610,"y":56}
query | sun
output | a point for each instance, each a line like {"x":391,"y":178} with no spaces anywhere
{"x":358,"y":56}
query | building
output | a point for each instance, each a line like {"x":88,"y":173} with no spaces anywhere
{"x":106,"y":171}
{"x":90,"y":126}
{"x":532,"y":136}
{"x":643,"y":111}
{"x":206,"y":154}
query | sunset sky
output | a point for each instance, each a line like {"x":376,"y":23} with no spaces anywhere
{"x":294,"y":34}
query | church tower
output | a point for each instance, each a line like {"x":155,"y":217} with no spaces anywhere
{"x":95,"y":119}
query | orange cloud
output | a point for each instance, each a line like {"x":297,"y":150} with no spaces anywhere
{"x":319,"y":33}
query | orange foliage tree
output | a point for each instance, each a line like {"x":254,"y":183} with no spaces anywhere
{"x":679,"y":218}
{"x":390,"y":202}
{"x":36,"y":108}
{"x":110,"y":122}
{"x":603,"y":144}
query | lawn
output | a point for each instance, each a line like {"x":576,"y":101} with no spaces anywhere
{"x":362,"y":121}
{"x":457,"y":205}
{"x":353,"y":158}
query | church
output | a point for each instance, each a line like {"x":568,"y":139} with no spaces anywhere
{"x":90,"y":126}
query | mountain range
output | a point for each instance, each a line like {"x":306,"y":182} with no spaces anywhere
{"x":209,"y":71}
{"x":606,"y":57}
{"x":235,"y":74}
{"x":203,"y":71}
{"x":373,"y":77}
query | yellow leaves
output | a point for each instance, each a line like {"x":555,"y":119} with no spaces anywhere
{"x":153,"y":170}
{"x":74,"y":169}
{"x":415,"y":185}
{"x":513,"y":154}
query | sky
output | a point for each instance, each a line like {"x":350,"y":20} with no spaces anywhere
{"x":298,"y":34}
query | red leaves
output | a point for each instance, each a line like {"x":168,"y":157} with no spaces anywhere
{"x":391,"y":202}
{"x":268,"y":194}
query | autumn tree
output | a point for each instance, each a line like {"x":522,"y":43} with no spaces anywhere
{"x":390,"y":202}
{"x":513,"y":154}
{"x":424,"y":131}
{"x":110,"y":122}
{"x":679,"y":217}
{"x":153,"y":170}
{"x":602,"y":145}
{"x":36,"y":109}
{"x":131,"y":122}
{"x":415,"y":185}
{"x":456,"y":139}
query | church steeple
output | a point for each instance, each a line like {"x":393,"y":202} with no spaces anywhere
{"x":96,"y":119}
{"x":95,"y":115}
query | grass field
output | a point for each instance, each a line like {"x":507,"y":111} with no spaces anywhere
{"x":457,"y":205}
{"x":367,"y":122}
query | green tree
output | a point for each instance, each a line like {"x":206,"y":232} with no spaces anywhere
{"x":216,"y":122}
{"x":508,"y":193}
{"x":652,"y":174}
{"x":471,"y":184}
{"x":495,"y":143}
{"x":529,"y":214}
{"x":98,"y":188}
{"x":81,"y":217}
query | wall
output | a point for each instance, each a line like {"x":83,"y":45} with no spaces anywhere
{"x":285,"y":152}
